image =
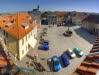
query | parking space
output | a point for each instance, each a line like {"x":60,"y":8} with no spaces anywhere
{"x":59,"y":44}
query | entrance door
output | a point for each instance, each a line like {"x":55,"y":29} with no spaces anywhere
{"x":5,"y":41}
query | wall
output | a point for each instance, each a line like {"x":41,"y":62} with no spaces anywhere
{"x":32,"y":34}
{"x":12,"y":43}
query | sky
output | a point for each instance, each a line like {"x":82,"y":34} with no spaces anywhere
{"x":50,"y":5}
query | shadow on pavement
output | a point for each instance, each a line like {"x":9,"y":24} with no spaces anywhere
{"x":50,"y":64}
{"x":85,"y":35}
{"x":38,"y":67}
{"x":69,"y":25}
{"x":31,"y":57}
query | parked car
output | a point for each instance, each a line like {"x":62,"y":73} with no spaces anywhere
{"x":78,"y":51}
{"x":44,"y":42}
{"x":43,"y":47}
{"x":71,"y":53}
{"x":56,"y":63}
{"x":65,"y":60}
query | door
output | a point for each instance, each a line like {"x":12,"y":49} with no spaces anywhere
{"x":5,"y":41}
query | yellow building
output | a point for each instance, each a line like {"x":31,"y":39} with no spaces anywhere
{"x":60,"y":17}
{"x":18,"y":33}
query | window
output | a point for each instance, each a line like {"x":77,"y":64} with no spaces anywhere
{"x":28,"y":46}
{"x":7,"y":35}
{"x":34,"y":36}
{"x":31,"y":33}
{"x":3,"y":20}
{"x":22,"y":41}
{"x":22,"y":52}
{"x":26,"y":38}
{"x":4,"y":32}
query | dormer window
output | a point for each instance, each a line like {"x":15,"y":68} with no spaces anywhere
{"x":34,"y":22}
{"x":12,"y":21}
{"x":25,"y":25}
{"x":3,"y":20}
{"x":8,"y":24}
{"x":29,"y":18}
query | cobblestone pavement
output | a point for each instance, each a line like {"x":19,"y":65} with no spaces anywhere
{"x":58,"y":45}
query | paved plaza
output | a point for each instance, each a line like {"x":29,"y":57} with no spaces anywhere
{"x":58,"y":45}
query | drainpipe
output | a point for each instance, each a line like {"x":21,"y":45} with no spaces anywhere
{"x":94,"y":53}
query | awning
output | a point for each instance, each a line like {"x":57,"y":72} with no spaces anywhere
{"x":32,"y":42}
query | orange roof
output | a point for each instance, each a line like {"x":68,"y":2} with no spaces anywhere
{"x":16,"y":29}
{"x":60,"y":13}
{"x":79,"y":15}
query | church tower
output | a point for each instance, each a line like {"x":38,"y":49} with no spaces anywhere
{"x":38,"y":7}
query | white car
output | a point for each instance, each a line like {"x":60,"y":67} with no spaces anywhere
{"x":71,"y":53}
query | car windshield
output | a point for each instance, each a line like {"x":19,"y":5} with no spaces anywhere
{"x":71,"y":53}
{"x":65,"y":59}
{"x":45,"y":42}
{"x":78,"y":51}
{"x":56,"y":62}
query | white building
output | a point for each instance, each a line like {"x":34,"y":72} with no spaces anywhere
{"x":77,"y":18}
{"x":18,"y":37}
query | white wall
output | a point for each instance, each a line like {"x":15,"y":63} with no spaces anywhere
{"x":26,"y":42}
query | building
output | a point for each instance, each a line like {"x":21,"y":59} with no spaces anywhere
{"x":36,"y":14}
{"x":56,"y":18}
{"x":78,"y":17}
{"x":36,"y":11}
{"x":61,"y":17}
{"x":18,"y":33}
{"x":52,"y":19}
{"x":91,"y":23}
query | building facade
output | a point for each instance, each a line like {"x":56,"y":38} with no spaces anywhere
{"x":18,"y":34}
{"x":52,"y":19}
{"x":57,"y":18}
{"x":77,"y":18}
{"x":91,"y":23}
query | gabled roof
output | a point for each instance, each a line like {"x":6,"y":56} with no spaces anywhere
{"x":92,"y":18}
{"x":60,"y":13}
{"x":79,"y":15}
{"x":16,"y":29}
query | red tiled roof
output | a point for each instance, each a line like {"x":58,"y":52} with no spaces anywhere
{"x":90,"y":65}
{"x":92,"y":18}
{"x":79,"y":15}
{"x":7,"y":64}
{"x":60,"y":13}
{"x":16,"y":29}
